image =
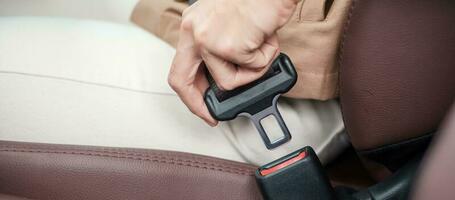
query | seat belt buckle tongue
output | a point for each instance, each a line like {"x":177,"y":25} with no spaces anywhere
{"x":298,"y":176}
{"x":256,"y":100}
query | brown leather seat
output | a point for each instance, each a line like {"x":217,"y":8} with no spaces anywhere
{"x":436,"y":174}
{"x":397,"y":84}
{"x":44,"y":171}
{"x":397,"y":75}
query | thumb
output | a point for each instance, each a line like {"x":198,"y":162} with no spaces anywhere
{"x":264,"y":55}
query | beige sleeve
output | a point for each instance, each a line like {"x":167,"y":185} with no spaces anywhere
{"x":161,"y":17}
{"x":311,"y":38}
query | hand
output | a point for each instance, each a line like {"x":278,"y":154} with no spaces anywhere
{"x":235,"y":38}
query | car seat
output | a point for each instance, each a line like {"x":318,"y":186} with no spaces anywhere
{"x":396,"y":85}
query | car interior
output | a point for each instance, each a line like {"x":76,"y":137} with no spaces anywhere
{"x":396,"y":91}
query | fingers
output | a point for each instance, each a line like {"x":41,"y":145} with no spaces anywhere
{"x":235,"y":48}
{"x":223,"y":72}
{"x":313,"y":10}
{"x":192,"y":96}
{"x":253,"y":51}
{"x":229,"y":76}
{"x":187,"y":78}
{"x":257,"y":58}
{"x":262,"y":56}
{"x":338,"y":10}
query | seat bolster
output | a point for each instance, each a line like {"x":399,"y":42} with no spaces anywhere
{"x":435,"y":180}
{"x":49,"y":171}
{"x":396,"y":70}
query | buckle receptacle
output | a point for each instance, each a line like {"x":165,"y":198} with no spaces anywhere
{"x":298,"y":176}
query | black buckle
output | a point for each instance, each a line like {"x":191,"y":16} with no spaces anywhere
{"x":256,"y":100}
{"x":298,"y":176}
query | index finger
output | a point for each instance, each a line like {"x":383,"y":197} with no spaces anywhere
{"x":187,"y":79}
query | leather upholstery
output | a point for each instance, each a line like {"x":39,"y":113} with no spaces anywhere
{"x":397,"y":69}
{"x":43,"y":171}
{"x":9,"y":197}
{"x":436,"y":178}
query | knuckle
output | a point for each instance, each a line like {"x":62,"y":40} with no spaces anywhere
{"x":200,"y":37}
{"x":187,"y":24}
{"x":187,"y":20}
{"x":227,"y":49}
{"x":174,"y":82}
{"x":251,"y":61}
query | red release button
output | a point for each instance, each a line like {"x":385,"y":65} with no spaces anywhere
{"x":284,"y":164}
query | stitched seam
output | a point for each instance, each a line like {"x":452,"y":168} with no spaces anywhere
{"x":155,"y":156}
{"x":132,"y":158}
{"x":125,"y":152}
{"x":88,"y":83}
{"x":345,"y":31}
{"x":340,"y":57}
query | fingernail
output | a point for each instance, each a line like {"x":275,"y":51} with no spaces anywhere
{"x":208,"y":118}
{"x":212,"y":124}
